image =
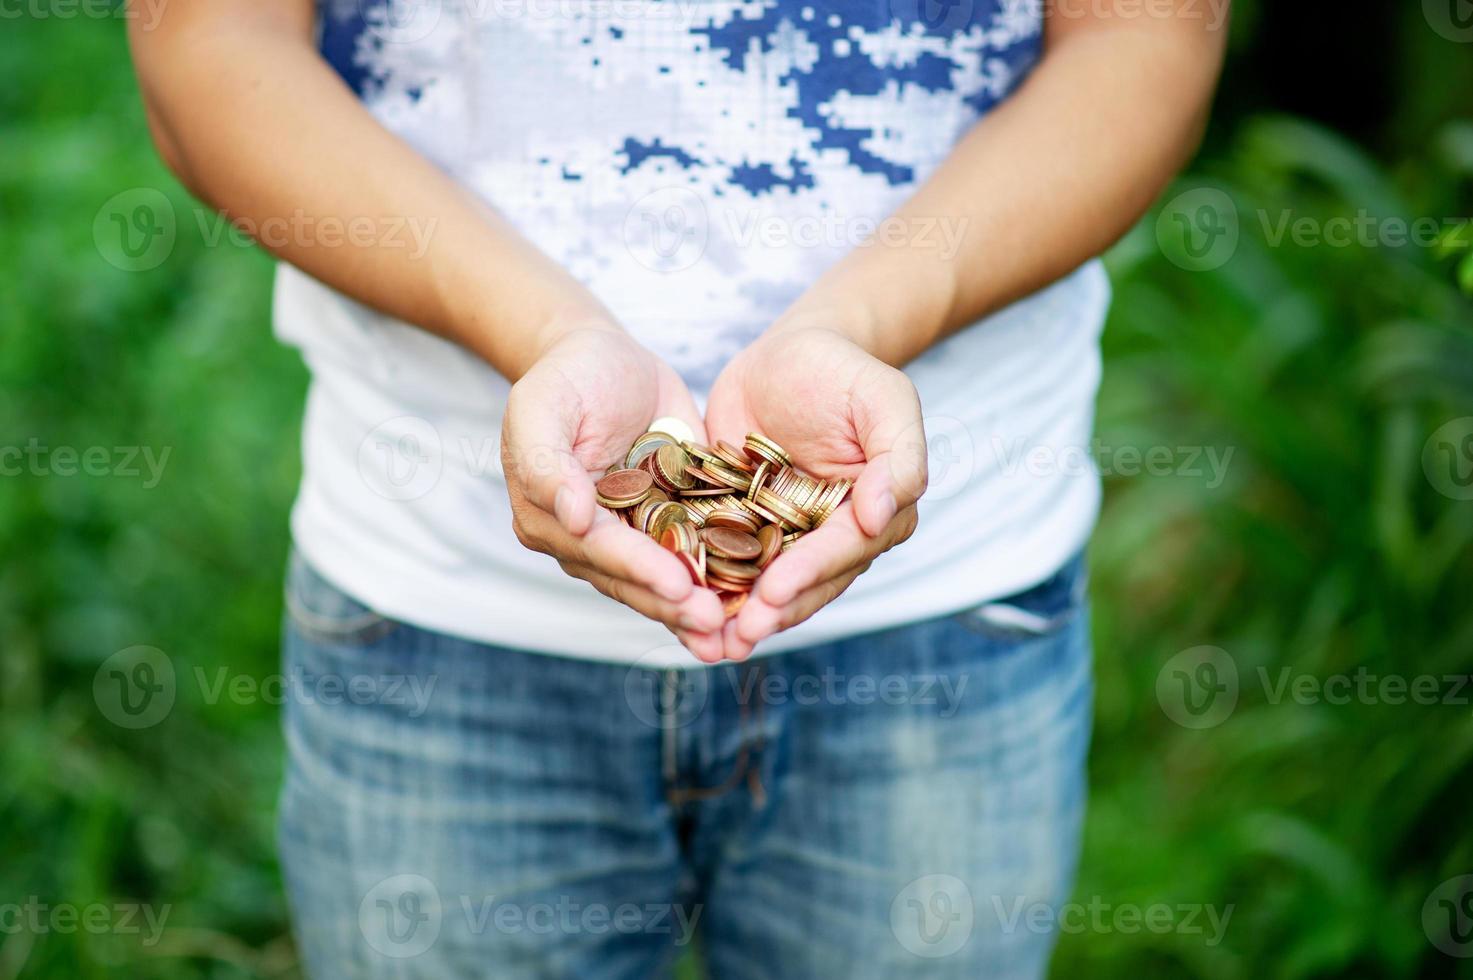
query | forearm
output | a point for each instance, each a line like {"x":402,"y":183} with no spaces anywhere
{"x":258,"y":125}
{"x":1052,"y":177}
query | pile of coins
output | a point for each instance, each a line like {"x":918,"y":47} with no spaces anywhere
{"x":724,"y":511}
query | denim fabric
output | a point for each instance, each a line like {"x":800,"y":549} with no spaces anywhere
{"x":902,"y":804}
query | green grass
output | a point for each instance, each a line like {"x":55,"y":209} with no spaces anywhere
{"x":1324,"y":549}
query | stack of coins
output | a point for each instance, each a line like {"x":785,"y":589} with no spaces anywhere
{"x":725,"y":511}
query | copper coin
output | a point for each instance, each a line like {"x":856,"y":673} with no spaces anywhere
{"x":697,"y":575}
{"x":733,"y":571}
{"x":732,"y":602}
{"x":770,"y":537}
{"x":736,"y":458}
{"x":623,"y":488}
{"x":737,"y":520}
{"x":726,"y":543}
{"x":727,"y":584}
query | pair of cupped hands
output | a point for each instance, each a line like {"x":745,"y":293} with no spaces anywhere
{"x":837,"y":410}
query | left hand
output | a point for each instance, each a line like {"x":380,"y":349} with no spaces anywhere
{"x":839,"y":412}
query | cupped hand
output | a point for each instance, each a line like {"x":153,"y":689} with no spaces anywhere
{"x":839,"y":412}
{"x":575,"y":412}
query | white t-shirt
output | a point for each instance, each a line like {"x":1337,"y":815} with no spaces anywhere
{"x":697,"y":164}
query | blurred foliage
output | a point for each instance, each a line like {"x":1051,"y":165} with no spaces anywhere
{"x":1325,"y":549}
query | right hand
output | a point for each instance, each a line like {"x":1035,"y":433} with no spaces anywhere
{"x":577,"y":410}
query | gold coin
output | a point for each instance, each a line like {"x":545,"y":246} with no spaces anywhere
{"x":673,"y":426}
{"x":762,"y":448}
{"x":727,"y":476}
{"x":670,"y":464}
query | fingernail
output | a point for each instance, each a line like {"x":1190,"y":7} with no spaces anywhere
{"x":562,"y":506}
{"x":888,"y":506}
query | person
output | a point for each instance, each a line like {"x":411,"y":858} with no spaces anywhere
{"x":864,"y":230}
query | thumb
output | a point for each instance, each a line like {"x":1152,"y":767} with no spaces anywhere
{"x":537,"y":456}
{"x":893,"y":437}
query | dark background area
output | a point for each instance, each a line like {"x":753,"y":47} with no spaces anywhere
{"x":1334,"y":543}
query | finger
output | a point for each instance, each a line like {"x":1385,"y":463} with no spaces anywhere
{"x":893,"y":437}
{"x":698,"y":613}
{"x":613,"y":548}
{"x":705,"y":646}
{"x":538,"y":458}
{"x":759,"y":620}
{"x":828,"y":552}
{"x":617,"y":549}
{"x":732,"y":644}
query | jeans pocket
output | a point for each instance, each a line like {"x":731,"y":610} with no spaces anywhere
{"x":1040,"y":611}
{"x":326,"y":614}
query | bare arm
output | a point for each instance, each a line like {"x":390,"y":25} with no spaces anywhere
{"x":1049,"y":179}
{"x":256,"y":123}
{"x":252,"y":119}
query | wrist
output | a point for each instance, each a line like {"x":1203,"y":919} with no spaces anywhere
{"x":549,"y":331}
{"x":560,"y":324}
{"x":888,"y":302}
{"x":848,"y":317}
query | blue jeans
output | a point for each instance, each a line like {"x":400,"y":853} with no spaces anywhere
{"x":902,"y":804}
